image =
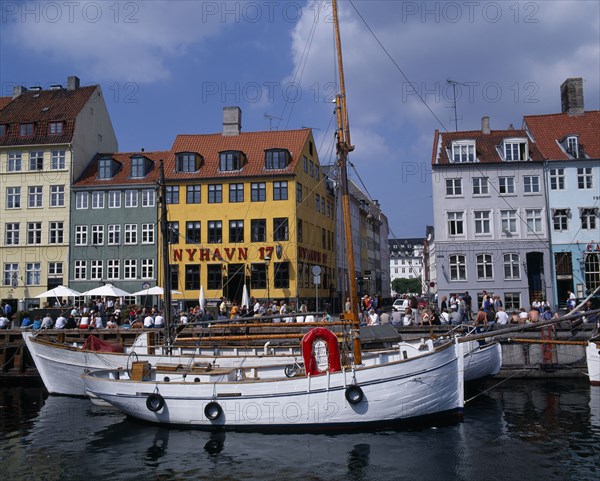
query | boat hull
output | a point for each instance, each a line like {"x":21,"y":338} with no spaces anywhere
{"x":593,"y":361}
{"x":392,"y":393}
{"x":482,"y":361}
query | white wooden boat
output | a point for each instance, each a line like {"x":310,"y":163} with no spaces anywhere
{"x":482,"y":361}
{"x":387,"y":389}
{"x":593,"y":360}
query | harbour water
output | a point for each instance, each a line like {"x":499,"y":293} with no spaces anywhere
{"x":518,"y":430}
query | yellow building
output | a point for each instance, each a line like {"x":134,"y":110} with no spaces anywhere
{"x":249,"y":208}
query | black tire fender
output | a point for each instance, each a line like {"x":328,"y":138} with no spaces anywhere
{"x":155,"y":402}
{"x":354,"y":394}
{"x":213,"y":410}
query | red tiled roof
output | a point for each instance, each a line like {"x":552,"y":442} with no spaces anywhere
{"x":41,"y":107}
{"x":90,"y":175}
{"x":548,"y":130}
{"x":252,"y":144}
{"x":4,"y":101}
{"x":486,"y":145}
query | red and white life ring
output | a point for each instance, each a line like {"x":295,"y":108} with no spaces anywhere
{"x":320,"y":351}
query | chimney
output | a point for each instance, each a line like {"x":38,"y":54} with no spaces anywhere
{"x":18,"y":90}
{"x":232,"y":120}
{"x":72,"y":82}
{"x":485,"y":124}
{"x":571,"y":96}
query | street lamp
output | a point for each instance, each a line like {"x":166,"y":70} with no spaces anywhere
{"x":267,"y":259}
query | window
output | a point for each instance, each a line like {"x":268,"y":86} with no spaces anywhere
{"x":482,"y":221}
{"x":484,"y":267}
{"x":453,"y":187}
{"x":215,"y":193}
{"x":104,"y":168}
{"x":81,"y":235}
{"x":56,"y":234}
{"x":81,"y":200}
{"x":131,"y":198}
{"x":463,"y":152}
{"x":97,"y":235}
{"x":458,"y":268}
{"x":36,"y":160}
{"x":80,"y":270}
{"x":588,"y":218}
{"x":2,"y":130}
{"x":571,"y":145}
{"x":236,"y":231}
{"x":147,"y":233}
{"x":584,"y":177}
{"x":57,"y":196}
{"x":229,"y":161}
{"x":214,"y":276}
{"x":96,"y":269}
{"x":11,"y":234}
{"x":258,"y":192}
{"x":236,"y":193}
{"x":506,"y":185}
{"x":560,"y":219}
{"x":58,"y":160}
{"x":148,"y":198}
{"x":512,"y":301}
{"x":114,"y":234}
{"x":480,"y":186}
{"x":192,"y":194}
{"x":114,"y":199}
{"x":97,"y":200}
{"x":129,"y":268}
{"x":531,"y":184}
{"x":13,"y":197}
{"x":299,"y":193}
{"x":276,"y":159}
{"x":592,"y":271}
{"x":33,"y":274}
{"x":26,"y":130}
{"x":215,"y":231}
{"x":280,"y":190}
{"x":282,"y":275}
{"x":192,"y":232}
{"x":317,"y":176}
{"x":173,"y":228}
{"x":174,"y":276}
{"x":258,"y":230}
{"x":511,"y":267}
{"x":280,"y":229}
{"x":557,"y":179}
{"x":455,"y":223}
{"x":55,"y":128}
{"x":34,"y":233}
{"x":14,"y":162}
{"x":130,"y":233}
{"x":186,"y":163}
{"x":305,"y":163}
{"x":172,"y":196}
{"x":311,"y":168}
{"x":258,"y":276}
{"x":515,"y":150}
{"x":113,"y":267}
{"x":34,"y":197}
{"x":11,"y":275}
{"x":317,"y":202}
{"x":137,"y":167}
{"x":299,"y":230}
{"x":533,"y":217}
{"x":147,"y":268}
{"x":508,"y":221}
{"x":55,"y":270}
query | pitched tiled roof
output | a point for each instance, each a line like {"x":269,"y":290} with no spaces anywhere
{"x":90,"y":175}
{"x":548,"y":130}
{"x":41,"y":107}
{"x":486,"y":145}
{"x":4,"y":101}
{"x":252,"y":144}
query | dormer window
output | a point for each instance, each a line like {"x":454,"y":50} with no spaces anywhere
{"x":55,"y":128}
{"x":276,"y":159}
{"x":2,"y":130}
{"x":515,"y":149}
{"x":139,"y":167}
{"x":572,"y":147}
{"x":26,"y":130}
{"x":230,"y":160}
{"x":463,"y":151}
{"x":187,"y":162}
{"x":106,"y":168}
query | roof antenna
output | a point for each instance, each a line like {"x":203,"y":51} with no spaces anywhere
{"x":454,"y":83}
{"x":271,"y":117}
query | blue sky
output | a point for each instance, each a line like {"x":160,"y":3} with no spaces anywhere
{"x":168,"y":68}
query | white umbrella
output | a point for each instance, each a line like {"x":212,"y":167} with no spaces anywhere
{"x":201,"y":298}
{"x":245,"y":297}
{"x":59,"y":291}
{"x":108,"y":290}
{"x":153,"y":291}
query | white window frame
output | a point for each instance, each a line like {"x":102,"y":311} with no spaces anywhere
{"x":15,"y":162}
{"x":508,"y":222}
{"x":482,"y":219}
{"x":114,"y":234}
{"x":148,"y":198}
{"x":506,"y":185}
{"x":35,"y":199}
{"x":147,"y":268}
{"x":113,"y":268}
{"x":131,"y":198}
{"x":82,"y":200}
{"x":34,"y":161}
{"x":148,"y":233}
{"x":56,"y":232}
{"x":560,"y":216}
{"x":80,"y":270}
{"x":130,"y":233}
{"x":557,"y":179}
{"x":34,"y":228}
{"x":456,"y":220}
{"x":585,"y":178}
{"x":96,"y":269}
{"x":130,"y":269}
{"x":114,"y":199}
{"x":81,"y":235}
{"x":57,"y":196}
{"x":511,"y":264}
{"x":588,"y":218}
{"x":482,"y":185}
{"x":58,"y":160}
{"x":515,"y":150}
{"x":12,"y":233}
{"x":462,"y":151}
{"x":33,"y":273}
{"x":458,"y":267}
{"x":98,"y":200}
{"x":531,"y":184}
{"x":13,"y":197}
{"x":454,"y":187}
{"x":533,"y":218}
{"x":97,"y":233}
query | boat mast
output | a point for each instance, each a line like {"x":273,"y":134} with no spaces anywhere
{"x":343,"y":147}
{"x":164,"y":233}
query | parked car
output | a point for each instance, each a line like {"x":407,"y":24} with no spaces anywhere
{"x":397,"y":305}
